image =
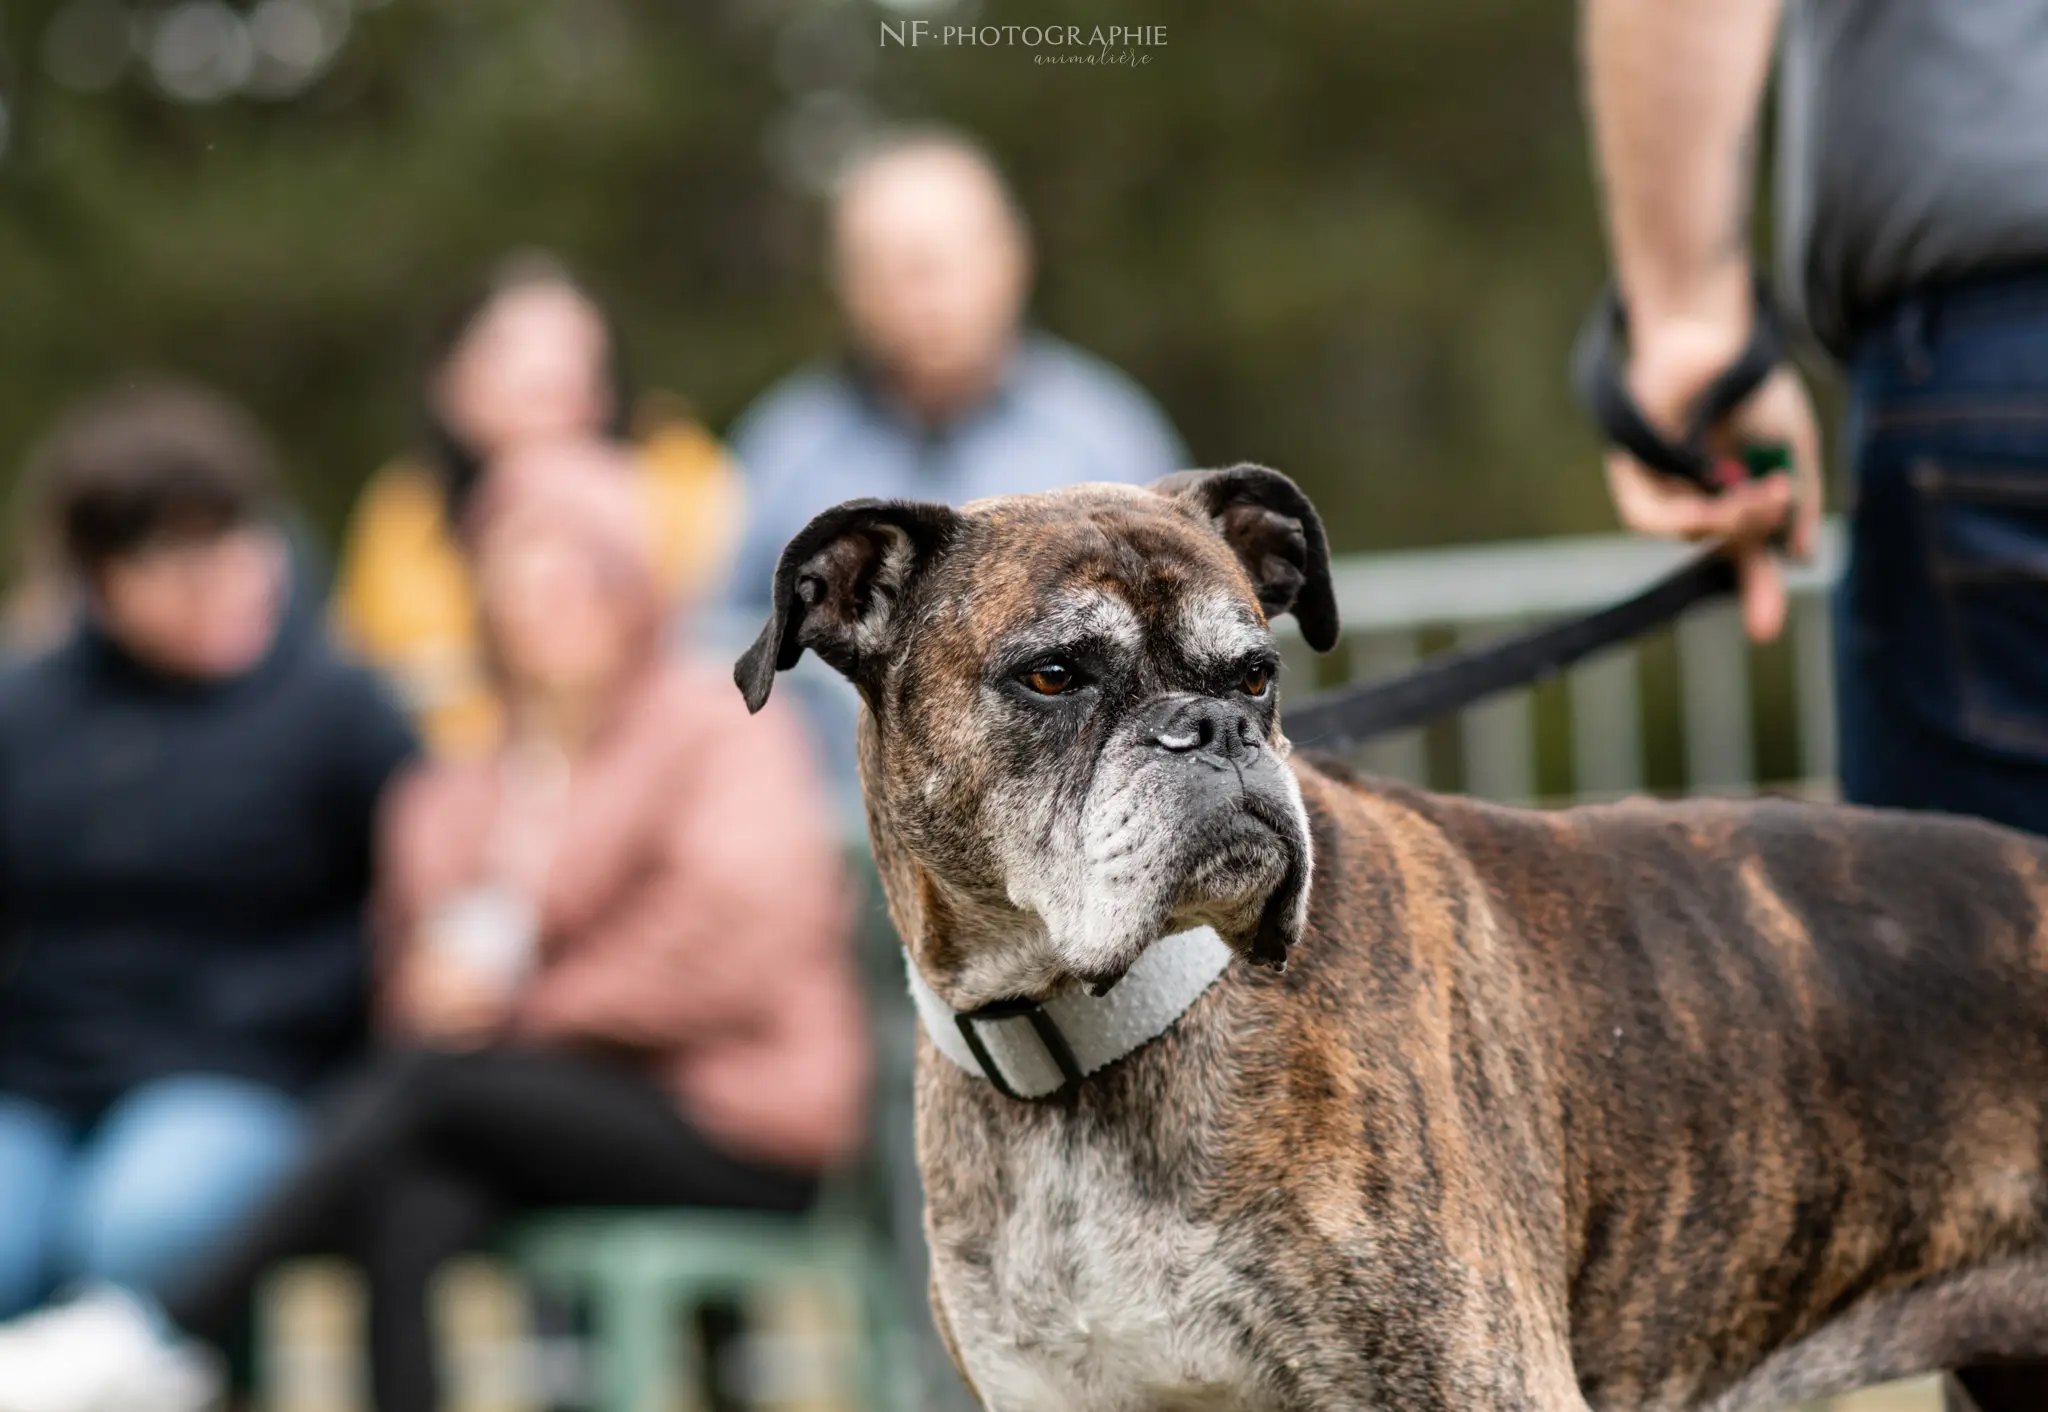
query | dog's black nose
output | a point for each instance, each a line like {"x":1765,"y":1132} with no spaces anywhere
{"x":1203,"y":725}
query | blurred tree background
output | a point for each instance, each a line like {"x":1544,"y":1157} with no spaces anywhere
{"x":1347,"y":237}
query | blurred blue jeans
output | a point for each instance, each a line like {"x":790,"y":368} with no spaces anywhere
{"x":139,"y":1196}
{"x":1942,"y":618}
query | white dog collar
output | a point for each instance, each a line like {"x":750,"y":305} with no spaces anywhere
{"x":1033,"y":1050}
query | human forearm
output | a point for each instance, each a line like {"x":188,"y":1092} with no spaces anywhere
{"x":1673,"y":87}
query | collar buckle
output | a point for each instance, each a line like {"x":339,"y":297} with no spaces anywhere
{"x":1042,"y":1024}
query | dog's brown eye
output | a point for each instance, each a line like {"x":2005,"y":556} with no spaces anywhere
{"x":1050,"y":679}
{"x":1256,"y":679}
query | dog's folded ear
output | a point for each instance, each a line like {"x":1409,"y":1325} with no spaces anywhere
{"x":1278,"y":538}
{"x":839,"y":587}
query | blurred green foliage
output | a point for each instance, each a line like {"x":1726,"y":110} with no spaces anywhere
{"x":1347,"y":237}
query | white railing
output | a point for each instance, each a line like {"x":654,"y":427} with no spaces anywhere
{"x":1397,"y":606}
{"x":1393,"y":605}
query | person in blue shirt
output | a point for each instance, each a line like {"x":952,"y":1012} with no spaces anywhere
{"x":945,"y":393}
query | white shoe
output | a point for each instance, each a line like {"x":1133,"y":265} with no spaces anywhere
{"x":103,"y":1352}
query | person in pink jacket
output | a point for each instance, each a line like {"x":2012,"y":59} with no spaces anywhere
{"x":616,"y":963}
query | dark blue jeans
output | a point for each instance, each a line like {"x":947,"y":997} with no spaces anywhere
{"x":1942,"y":619}
{"x":1941,"y":644}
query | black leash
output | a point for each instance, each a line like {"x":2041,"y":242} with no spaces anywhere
{"x":1455,"y":680}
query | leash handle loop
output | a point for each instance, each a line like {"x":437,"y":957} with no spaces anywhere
{"x":1599,"y":377}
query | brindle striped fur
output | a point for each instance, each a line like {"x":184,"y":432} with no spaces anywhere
{"x":1649,"y":1106}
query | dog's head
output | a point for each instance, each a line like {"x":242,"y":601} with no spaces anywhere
{"x":1072,"y":743}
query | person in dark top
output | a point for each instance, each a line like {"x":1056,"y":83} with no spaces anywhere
{"x":188,"y":793}
{"x":1912,"y":245}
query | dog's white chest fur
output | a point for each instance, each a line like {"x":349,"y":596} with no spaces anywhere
{"x":1094,"y":1299}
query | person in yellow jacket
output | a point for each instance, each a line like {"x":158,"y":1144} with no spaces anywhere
{"x":531,"y":357}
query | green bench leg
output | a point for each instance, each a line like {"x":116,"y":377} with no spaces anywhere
{"x":881,"y":1334}
{"x":642,"y":1357}
{"x":646,"y":1354}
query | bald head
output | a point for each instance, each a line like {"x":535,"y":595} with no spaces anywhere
{"x":932,"y":265}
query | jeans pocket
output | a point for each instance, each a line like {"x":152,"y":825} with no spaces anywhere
{"x":1986,"y":535}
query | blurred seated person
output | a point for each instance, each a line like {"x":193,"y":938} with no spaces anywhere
{"x":532,"y":357}
{"x":188,"y":796}
{"x":945,"y":395}
{"x":618,"y":971}
{"x":41,"y":605}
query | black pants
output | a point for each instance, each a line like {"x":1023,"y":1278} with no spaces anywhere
{"x":429,"y":1151}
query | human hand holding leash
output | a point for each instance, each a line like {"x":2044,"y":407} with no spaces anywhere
{"x":1668,"y":370}
{"x":1714,"y":439}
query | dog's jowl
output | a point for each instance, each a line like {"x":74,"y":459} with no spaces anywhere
{"x":1694,"y":1106}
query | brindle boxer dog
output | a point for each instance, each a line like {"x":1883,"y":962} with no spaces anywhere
{"x":1640,"y":1106}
